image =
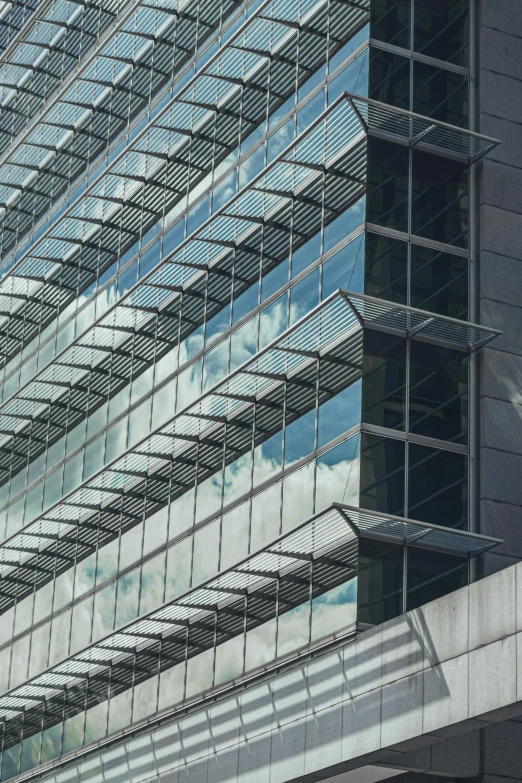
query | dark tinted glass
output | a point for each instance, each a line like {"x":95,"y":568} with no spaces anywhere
{"x":438,"y":392}
{"x":386,"y":268}
{"x":382,"y":474}
{"x":389,"y":78}
{"x":390,"y":21}
{"x":439,"y":199}
{"x":440,"y":94}
{"x":384,"y":380}
{"x":387,"y":186}
{"x":441,"y":29}
{"x":431,"y":575}
{"x":380,"y":581}
{"x":438,"y":486}
{"x":439,"y":282}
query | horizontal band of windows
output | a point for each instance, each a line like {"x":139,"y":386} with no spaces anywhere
{"x":98,"y":105}
{"x":164,"y":286}
{"x":317,"y":557}
{"x":192,"y":446}
{"x":140,"y":186}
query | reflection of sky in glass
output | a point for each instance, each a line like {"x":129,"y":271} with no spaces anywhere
{"x":335,"y":609}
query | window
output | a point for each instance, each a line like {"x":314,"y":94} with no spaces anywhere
{"x":387,"y":185}
{"x":441,"y":29}
{"x":380,"y":581}
{"x":384,"y":380}
{"x":386,"y":268}
{"x":382,"y":474}
{"x":439,"y":209}
{"x":438,"y":486}
{"x":389,"y":78}
{"x":438,"y":392}
{"x":390,"y":21}
{"x":439,"y":282}
{"x":431,"y":575}
{"x":440,"y":94}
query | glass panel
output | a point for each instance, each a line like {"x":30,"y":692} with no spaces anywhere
{"x":439,"y":199}
{"x":386,"y":268}
{"x":293,"y":628}
{"x":387,"y":186}
{"x":266,"y":517}
{"x":384,"y":380}
{"x":382,"y":474}
{"x":389,"y":78}
{"x":337,"y":477}
{"x":439,"y":282}
{"x":339,"y":414}
{"x":300,"y":438}
{"x":440,"y":94}
{"x":438,"y":392}
{"x":345,"y":269}
{"x":234,"y":536}
{"x":344,"y":225}
{"x":390,"y":21}
{"x":379,"y":581}
{"x":441,"y":29}
{"x":438,"y":486}
{"x":229,"y":659}
{"x":334,"y":610}
{"x":431,"y":575}
{"x":298,"y":497}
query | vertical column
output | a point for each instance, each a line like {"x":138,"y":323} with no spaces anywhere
{"x":499,"y":106}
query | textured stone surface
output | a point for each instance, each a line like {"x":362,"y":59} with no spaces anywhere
{"x":500,"y":272}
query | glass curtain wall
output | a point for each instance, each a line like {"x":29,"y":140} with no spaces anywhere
{"x":183,"y":384}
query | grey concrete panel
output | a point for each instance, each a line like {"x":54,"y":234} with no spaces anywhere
{"x":500,"y":476}
{"x":254,"y":760}
{"x":501,"y":425}
{"x":491,"y":563}
{"x":501,"y":374}
{"x":289,"y":696}
{"x":446,"y":694}
{"x":402,"y":647}
{"x":502,"y":752}
{"x":325,"y":681}
{"x":501,"y":15}
{"x":518,"y":590}
{"x":501,"y":185}
{"x":500,"y":52}
{"x":363,"y":663}
{"x":445,"y":629}
{"x":361,"y":731}
{"x":510,"y":148}
{"x":500,"y":231}
{"x":287,"y":755}
{"x":402,"y":703}
{"x":224,"y":724}
{"x":223,"y":766}
{"x":492,"y":674}
{"x":255,"y":710}
{"x":500,"y":276}
{"x":459,"y":756}
{"x":323,"y":738}
{"x":502,"y":520}
{"x":501,"y":96}
{"x":489,"y":619}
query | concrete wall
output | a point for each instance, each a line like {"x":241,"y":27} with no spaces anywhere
{"x":420,"y":692}
{"x":500,"y":271}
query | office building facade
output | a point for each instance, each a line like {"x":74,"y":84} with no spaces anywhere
{"x":258,"y":403}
